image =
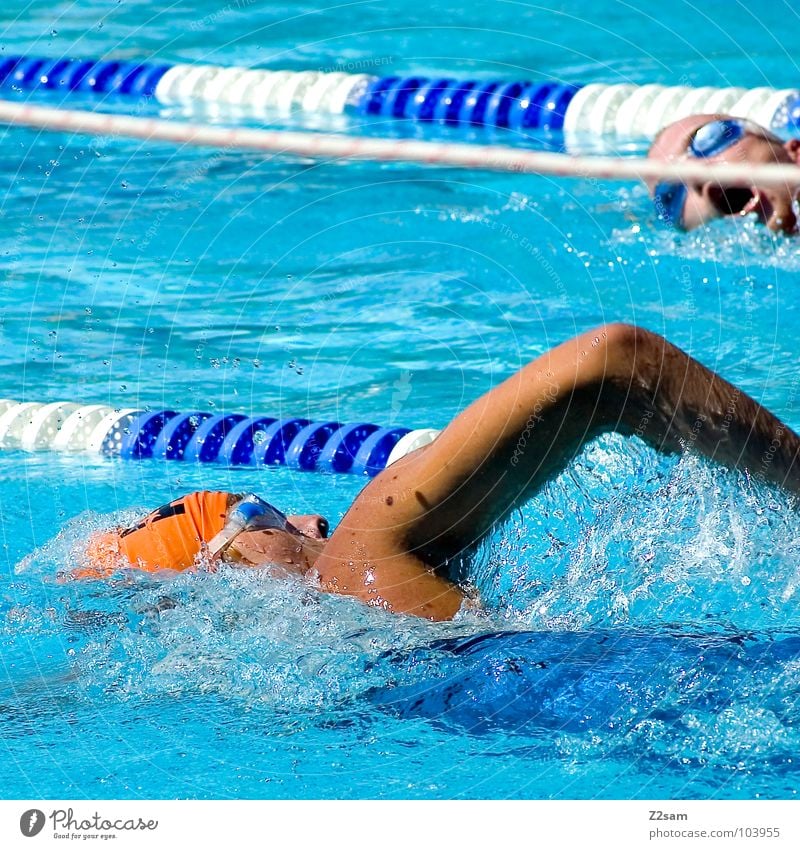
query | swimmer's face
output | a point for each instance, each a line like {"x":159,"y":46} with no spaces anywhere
{"x":294,"y":550}
{"x":707,"y":201}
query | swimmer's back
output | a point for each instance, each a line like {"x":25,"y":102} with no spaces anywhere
{"x":169,"y":538}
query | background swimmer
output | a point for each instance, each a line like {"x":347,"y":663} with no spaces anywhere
{"x":723,"y":138}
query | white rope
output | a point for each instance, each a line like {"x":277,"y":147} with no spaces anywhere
{"x":14,"y":421}
{"x":68,"y":426}
{"x":410,"y":442}
{"x":633,"y":112}
{"x":260,"y":93}
{"x":45,"y":424}
{"x":477,"y":157}
{"x":76,"y":431}
{"x":110,"y":430}
{"x":63,"y":426}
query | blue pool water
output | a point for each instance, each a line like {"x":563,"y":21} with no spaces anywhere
{"x":639,"y":633}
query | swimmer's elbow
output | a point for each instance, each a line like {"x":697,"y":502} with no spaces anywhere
{"x":629,"y":351}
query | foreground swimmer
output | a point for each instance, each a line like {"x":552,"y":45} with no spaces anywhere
{"x":419,"y":518}
{"x":722,"y":138}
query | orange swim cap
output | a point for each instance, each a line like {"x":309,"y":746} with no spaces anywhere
{"x":169,"y":538}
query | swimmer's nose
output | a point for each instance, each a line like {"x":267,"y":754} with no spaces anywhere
{"x":312,"y":525}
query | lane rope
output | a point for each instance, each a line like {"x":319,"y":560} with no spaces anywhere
{"x":234,"y":439}
{"x":600,"y":110}
{"x":457,"y":155}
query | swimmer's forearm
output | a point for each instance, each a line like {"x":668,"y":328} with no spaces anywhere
{"x":528,"y":429}
{"x":672,"y":401}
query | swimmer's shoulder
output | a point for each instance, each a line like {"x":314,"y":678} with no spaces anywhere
{"x":372,"y":554}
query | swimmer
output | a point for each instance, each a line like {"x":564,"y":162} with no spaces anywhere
{"x":417,"y":521}
{"x":722,"y":138}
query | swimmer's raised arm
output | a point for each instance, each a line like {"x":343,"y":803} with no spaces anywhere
{"x":429,"y":507}
{"x":393,"y":547}
{"x":616,"y":378}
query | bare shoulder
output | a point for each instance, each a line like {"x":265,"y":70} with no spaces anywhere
{"x":394,"y":545}
{"x":373,"y":555}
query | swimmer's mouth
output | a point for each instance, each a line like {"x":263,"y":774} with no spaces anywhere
{"x":735,"y":200}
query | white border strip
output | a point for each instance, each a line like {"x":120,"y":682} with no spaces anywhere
{"x":151,"y":824}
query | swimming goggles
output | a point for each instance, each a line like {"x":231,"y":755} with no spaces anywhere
{"x":711,"y":139}
{"x":251,"y":513}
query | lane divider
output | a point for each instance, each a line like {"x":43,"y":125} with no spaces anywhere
{"x":597,"y":110}
{"x":203,"y":437}
{"x":458,"y":155}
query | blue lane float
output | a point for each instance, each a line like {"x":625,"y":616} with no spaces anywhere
{"x":127,"y":79}
{"x":496,"y":103}
{"x":357,"y":448}
{"x":598,"y":110}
